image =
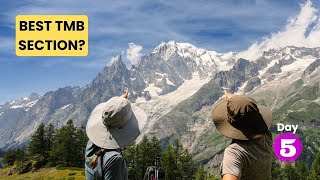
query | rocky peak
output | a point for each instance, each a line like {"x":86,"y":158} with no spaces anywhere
{"x":311,"y":68}
{"x":58,"y":98}
{"x":292,"y":51}
{"x":24,"y":102}
{"x":242,"y":71}
{"x":115,"y":66}
{"x":34,"y":96}
{"x":115,"y":60}
{"x":166,"y":50}
{"x":166,"y":45}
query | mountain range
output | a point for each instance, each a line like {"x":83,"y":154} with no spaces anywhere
{"x":177,"y":84}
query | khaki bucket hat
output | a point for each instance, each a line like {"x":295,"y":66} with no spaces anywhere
{"x":241,"y":118}
{"x":115,"y":124}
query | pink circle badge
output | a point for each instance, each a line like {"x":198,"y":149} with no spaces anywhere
{"x":287,"y":147}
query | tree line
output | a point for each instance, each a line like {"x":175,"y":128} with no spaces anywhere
{"x":175,"y":162}
{"x":49,"y":147}
{"x":65,"y":147}
{"x":296,"y":170}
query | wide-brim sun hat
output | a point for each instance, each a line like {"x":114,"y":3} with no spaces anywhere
{"x":241,"y":118}
{"x":115,"y":124}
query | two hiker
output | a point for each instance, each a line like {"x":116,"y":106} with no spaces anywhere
{"x":116,"y":123}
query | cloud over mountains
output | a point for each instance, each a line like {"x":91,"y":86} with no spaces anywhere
{"x":134,"y":53}
{"x":302,"y":30}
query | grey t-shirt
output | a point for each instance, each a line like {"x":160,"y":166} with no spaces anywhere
{"x":249,"y":160}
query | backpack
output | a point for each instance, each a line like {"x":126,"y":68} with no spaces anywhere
{"x":93,"y":173}
{"x":105,"y":159}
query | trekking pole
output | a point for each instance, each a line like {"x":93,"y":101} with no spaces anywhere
{"x":157,"y":167}
{"x":153,"y":172}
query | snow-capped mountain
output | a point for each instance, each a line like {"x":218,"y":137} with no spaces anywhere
{"x":201,"y":57}
{"x":178,"y":83}
{"x":287,"y":80}
{"x":25,"y":102}
{"x":171,"y":71}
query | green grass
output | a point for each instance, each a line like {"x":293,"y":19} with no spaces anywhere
{"x":46,"y":173}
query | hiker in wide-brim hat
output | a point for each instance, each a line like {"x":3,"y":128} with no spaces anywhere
{"x":112,"y":125}
{"x":249,"y":156}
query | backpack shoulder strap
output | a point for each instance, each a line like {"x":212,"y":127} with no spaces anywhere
{"x":104,"y":162}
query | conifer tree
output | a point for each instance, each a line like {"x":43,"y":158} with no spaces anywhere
{"x":169,"y":164}
{"x":49,"y":137}
{"x":13,"y":156}
{"x":301,"y":170}
{"x":142,"y":156}
{"x":200,"y":174}
{"x":9,"y":157}
{"x":155,"y":147}
{"x":130,"y":154}
{"x":37,"y":145}
{"x":289,"y":172}
{"x":315,"y":171}
{"x":186,"y":169}
{"x":276,"y":171}
{"x":176,"y":162}
{"x":65,"y":145}
{"x":81,"y":142}
{"x":184,"y":162}
{"x":69,"y":145}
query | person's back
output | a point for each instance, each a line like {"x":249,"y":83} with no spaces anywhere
{"x":111,"y":164}
{"x":111,"y":126}
{"x":249,"y":159}
{"x":249,"y":156}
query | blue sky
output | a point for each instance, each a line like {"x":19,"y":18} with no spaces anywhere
{"x":222,"y":26}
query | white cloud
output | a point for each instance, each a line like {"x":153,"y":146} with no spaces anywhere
{"x":301,"y":31}
{"x":134,"y":53}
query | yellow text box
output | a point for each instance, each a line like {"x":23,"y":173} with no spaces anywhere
{"x":52,"y":35}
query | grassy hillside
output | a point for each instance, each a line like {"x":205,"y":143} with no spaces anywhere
{"x":46,"y":173}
